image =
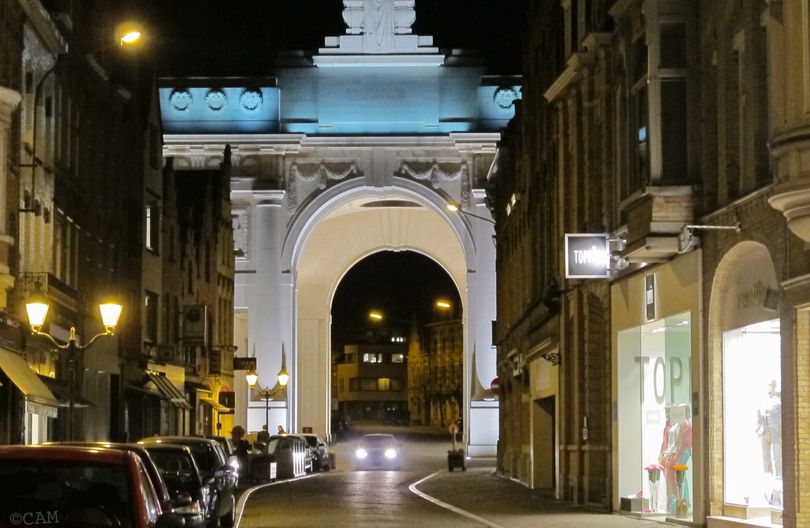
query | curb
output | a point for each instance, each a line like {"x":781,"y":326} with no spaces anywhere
{"x":240,"y":506}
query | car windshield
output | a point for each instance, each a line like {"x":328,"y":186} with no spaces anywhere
{"x":204,"y":456}
{"x":66,"y":493}
{"x":177,"y":470}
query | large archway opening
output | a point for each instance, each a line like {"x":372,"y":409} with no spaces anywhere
{"x":340,"y":233}
{"x":397,"y":344}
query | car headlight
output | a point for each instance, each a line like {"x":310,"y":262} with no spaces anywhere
{"x":390,"y":453}
{"x":361,"y":453}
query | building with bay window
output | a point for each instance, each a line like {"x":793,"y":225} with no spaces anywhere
{"x":676,"y":387}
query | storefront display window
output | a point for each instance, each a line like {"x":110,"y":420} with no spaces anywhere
{"x":752,"y":416}
{"x":655,"y":417}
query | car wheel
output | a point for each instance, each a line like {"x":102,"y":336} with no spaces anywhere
{"x":229,"y":518}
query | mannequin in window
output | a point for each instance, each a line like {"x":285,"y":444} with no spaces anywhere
{"x":769,"y":430}
{"x":676,"y":448}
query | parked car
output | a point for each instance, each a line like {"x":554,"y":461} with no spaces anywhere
{"x":230,"y":450}
{"x":213,"y":466}
{"x":79,"y":486}
{"x":378,"y":451}
{"x":291,"y":454}
{"x":182,"y":476}
{"x":309,"y":459}
{"x":321,"y":458}
{"x":170,"y":500}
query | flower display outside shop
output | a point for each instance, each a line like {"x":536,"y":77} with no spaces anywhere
{"x":654,"y":471}
{"x":654,"y":475}
{"x":681,"y":506}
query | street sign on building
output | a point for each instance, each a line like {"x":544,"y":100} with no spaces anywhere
{"x":587,"y":256}
{"x":244,"y":363}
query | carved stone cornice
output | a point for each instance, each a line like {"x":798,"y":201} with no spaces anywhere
{"x":791,"y":194}
{"x":323,"y":172}
{"x":578,"y":63}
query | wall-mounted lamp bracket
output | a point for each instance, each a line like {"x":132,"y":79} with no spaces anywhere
{"x":687,"y":235}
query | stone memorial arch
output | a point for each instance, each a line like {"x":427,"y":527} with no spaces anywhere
{"x":333,"y":157}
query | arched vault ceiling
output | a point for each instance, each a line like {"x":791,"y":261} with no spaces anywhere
{"x":352,"y":232}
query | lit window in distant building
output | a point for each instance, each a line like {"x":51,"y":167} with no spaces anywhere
{"x":384,"y":384}
{"x":397,"y":358}
{"x":372,"y":358}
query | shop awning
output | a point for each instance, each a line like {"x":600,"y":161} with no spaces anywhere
{"x":168,"y":390}
{"x":197,"y":386}
{"x":62,"y":394}
{"x":215,"y":405}
{"x":29,"y":383}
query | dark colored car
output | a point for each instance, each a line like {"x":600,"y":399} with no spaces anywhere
{"x":321,"y":458}
{"x":214,"y":468}
{"x":168,"y":503}
{"x":378,"y":451}
{"x":229,"y":449}
{"x":69,"y":485}
{"x":182,"y":476}
{"x":177,"y":501}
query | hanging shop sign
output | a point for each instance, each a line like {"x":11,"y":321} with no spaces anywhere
{"x":587,"y":256}
{"x":244,"y":363}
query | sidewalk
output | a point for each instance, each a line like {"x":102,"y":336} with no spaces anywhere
{"x":511,"y":505}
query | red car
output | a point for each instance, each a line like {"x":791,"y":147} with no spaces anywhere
{"x":79,"y":486}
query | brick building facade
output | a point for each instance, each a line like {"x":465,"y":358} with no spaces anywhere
{"x":677,"y":128}
{"x":83,"y":185}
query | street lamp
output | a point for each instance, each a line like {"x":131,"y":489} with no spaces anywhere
{"x":37,"y":310}
{"x":253,"y":381}
{"x":128,"y":34}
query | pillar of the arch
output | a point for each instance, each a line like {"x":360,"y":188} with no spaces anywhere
{"x":313,"y":364}
{"x":481,"y":428}
{"x":269,"y":311}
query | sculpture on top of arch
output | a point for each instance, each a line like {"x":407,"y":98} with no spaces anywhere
{"x":379,"y":27}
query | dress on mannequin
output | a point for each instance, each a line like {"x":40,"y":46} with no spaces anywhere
{"x":676,"y":448}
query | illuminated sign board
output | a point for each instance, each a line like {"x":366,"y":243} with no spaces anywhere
{"x":587,"y":256}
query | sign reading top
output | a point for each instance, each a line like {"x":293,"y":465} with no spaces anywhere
{"x":587,"y":256}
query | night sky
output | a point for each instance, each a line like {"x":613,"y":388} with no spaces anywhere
{"x":241,"y":37}
{"x":400,"y":284}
